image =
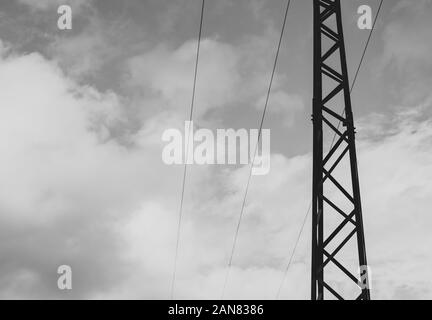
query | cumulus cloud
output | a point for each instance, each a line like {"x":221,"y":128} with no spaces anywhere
{"x":69,"y":186}
{"x":395,"y":190}
{"x":56,"y":192}
{"x":283,"y":105}
{"x":229,"y":77}
{"x":169,"y":73}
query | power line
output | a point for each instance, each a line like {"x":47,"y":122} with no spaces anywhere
{"x":331,"y":146}
{"x":187,"y":152}
{"x":360,"y":64}
{"x":366,"y":46}
{"x":256,"y":148}
{"x":293,"y":252}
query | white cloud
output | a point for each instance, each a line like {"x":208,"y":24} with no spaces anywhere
{"x":65,"y":179}
{"x":283,"y":105}
{"x":169,"y":73}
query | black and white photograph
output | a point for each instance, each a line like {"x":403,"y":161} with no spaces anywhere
{"x":215,"y":150}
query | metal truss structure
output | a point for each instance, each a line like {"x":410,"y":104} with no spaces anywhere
{"x":332,"y":195}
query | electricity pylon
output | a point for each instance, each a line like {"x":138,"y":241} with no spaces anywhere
{"x":336,"y":190}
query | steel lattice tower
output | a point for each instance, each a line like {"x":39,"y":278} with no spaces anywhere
{"x":334,"y":199}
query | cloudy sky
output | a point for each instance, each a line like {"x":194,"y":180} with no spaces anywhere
{"x":82,"y":181}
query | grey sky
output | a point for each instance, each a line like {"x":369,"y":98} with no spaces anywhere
{"x":82,"y":113}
